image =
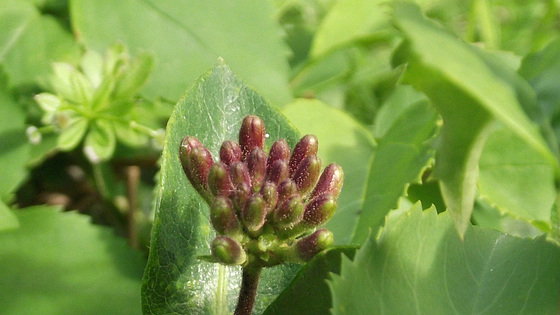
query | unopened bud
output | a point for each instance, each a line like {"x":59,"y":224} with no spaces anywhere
{"x":228,"y":251}
{"x":219,"y":181}
{"x":286,"y":190}
{"x":240,"y":196}
{"x":311,"y":245}
{"x":330,"y":181}
{"x":254,"y":214}
{"x":319,"y":210}
{"x":256,"y":163}
{"x":239,"y":174}
{"x":196,"y":161}
{"x":277,"y":172}
{"x":230,"y":152}
{"x":289,"y":213}
{"x":223,"y":217}
{"x":307,"y":146}
{"x":251,"y":134}
{"x":280,"y":150}
{"x":307,"y":174}
{"x":270,"y":196}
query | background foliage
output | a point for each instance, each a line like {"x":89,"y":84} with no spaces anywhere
{"x":445,"y":116}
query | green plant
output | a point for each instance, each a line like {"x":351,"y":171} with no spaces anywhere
{"x":444,"y":116}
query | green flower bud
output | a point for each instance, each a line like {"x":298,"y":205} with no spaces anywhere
{"x":270,"y":196}
{"x":307,"y":174}
{"x":240,"y":196}
{"x":230,"y":152}
{"x":251,"y":134}
{"x":239,"y":174}
{"x":307,"y":146}
{"x":277,"y":172}
{"x":286,"y":190}
{"x":196,"y":161}
{"x":280,"y":150}
{"x":319,"y":210}
{"x":254,"y":214}
{"x":223,"y":217}
{"x":219,"y":181}
{"x":256,"y":163}
{"x":289,"y":213}
{"x":311,"y":245}
{"x":228,"y":251}
{"x":330,"y":181}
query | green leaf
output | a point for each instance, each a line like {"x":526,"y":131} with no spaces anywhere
{"x":15,"y":146}
{"x":469,"y":95}
{"x":419,"y":265}
{"x":352,"y":20}
{"x":309,"y":293}
{"x":71,"y":136}
{"x":403,"y":152}
{"x":515,"y":178}
{"x":102,"y":140}
{"x":58,"y":263}
{"x":176,"y":281}
{"x":186,"y":38}
{"x":342,"y":141}
{"x":30,"y":42}
{"x":8,"y":220}
{"x":135,"y":76}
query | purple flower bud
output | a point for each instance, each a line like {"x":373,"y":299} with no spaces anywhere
{"x":277,"y":172}
{"x":330,"y":181}
{"x":228,"y":251}
{"x":219,"y":181}
{"x":270,"y":196}
{"x":239,"y":174}
{"x":308,"y":145}
{"x":311,"y":245}
{"x":307,"y":174}
{"x":289,"y":213}
{"x":223,"y":217}
{"x":230,"y":152}
{"x":196,"y":161}
{"x":256,"y":163}
{"x":280,"y":150}
{"x":251,"y":134}
{"x":319,"y":210}
{"x":254,"y":214}
{"x":286,"y":190}
{"x":240,"y":196}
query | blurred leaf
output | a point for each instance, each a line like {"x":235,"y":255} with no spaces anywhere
{"x":351,"y":20}
{"x":71,"y":136}
{"x":403,"y":152}
{"x":176,"y":281}
{"x":419,"y":265}
{"x":30,"y":42}
{"x":515,"y":178}
{"x":8,"y":220}
{"x":342,"y":141}
{"x":135,"y":77}
{"x":15,"y":146}
{"x":186,"y":38}
{"x":101,"y":138}
{"x":309,"y":293}
{"x":58,"y":263}
{"x":469,"y":96}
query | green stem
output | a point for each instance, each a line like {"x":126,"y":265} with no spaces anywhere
{"x":247,"y":294}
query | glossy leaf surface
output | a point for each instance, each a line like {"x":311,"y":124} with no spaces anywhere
{"x":175,"y":279}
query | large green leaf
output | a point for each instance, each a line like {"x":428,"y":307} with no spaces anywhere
{"x":309,"y":293}
{"x":175,"y":281}
{"x":58,"y":263}
{"x":187,"y":37}
{"x":403,"y":152}
{"x":30,"y":42}
{"x":515,"y":178}
{"x":470,"y":95}
{"x":342,"y":141}
{"x":419,"y":265}
{"x":8,"y":220}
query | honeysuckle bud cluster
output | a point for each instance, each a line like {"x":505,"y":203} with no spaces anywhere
{"x":265,"y":208}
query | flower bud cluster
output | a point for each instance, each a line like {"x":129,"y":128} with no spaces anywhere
{"x":264,"y":207}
